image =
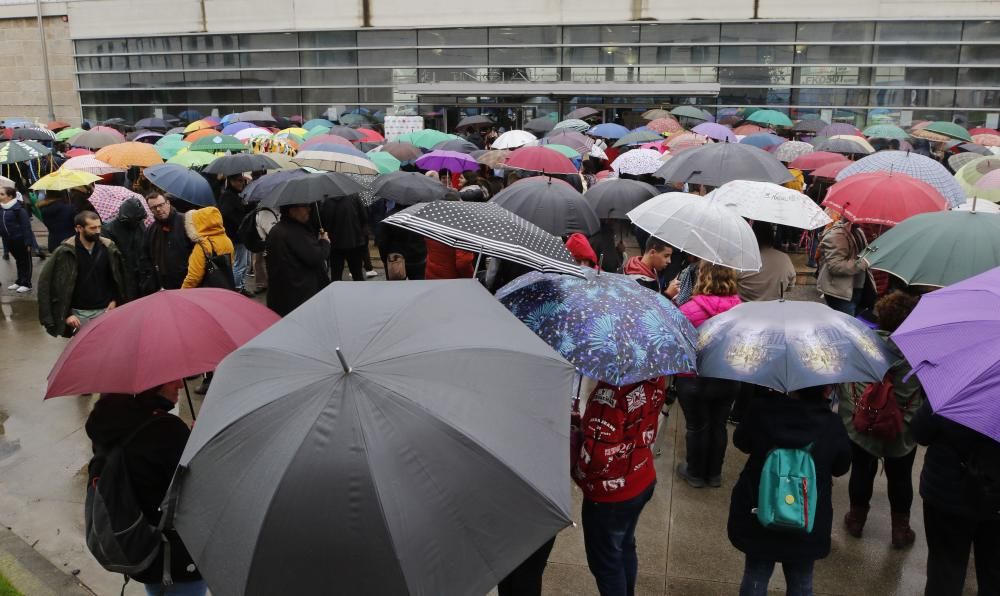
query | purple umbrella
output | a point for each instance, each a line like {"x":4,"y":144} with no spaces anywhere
{"x":453,"y":161}
{"x":763,"y":140}
{"x":952,"y":340}
{"x":839,"y":128}
{"x":715,"y":131}
{"x":235,"y":127}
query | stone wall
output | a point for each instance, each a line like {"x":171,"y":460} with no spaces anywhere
{"x":22,"y":78}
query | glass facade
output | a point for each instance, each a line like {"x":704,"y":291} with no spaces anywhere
{"x":855,"y":71}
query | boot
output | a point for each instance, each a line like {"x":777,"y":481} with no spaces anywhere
{"x":902,"y":535}
{"x":854,"y":520}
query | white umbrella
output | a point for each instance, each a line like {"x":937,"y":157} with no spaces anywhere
{"x":330,"y":161}
{"x":251,"y":133}
{"x":637,"y":162}
{"x":981,"y":206}
{"x":704,"y":228}
{"x":513,"y":139}
{"x":90,"y":164}
{"x":765,"y":201}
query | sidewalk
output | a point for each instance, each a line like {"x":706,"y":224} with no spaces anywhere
{"x":31,"y":573}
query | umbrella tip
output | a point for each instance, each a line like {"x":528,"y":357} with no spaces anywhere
{"x":343,"y":362}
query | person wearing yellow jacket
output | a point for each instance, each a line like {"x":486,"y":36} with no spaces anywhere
{"x":204,"y":228}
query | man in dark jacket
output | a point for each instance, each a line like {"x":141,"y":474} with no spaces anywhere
{"x":151,"y":458}
{"x":792,"y":421}
{"x":296,"y":260}
{"x":345,"y":218}
{"x":127,"y":231}
{"x":411,"y":245}
{"x":961,"y":471}
{"x":15,"y":229}
{"x":84,"y":278}
{"x":166,"y":248}
{"x":233,"y":210}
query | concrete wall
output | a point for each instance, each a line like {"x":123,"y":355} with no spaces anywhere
{"x":22,"y":80}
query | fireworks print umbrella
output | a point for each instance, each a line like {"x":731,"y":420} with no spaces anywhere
{"x":789,"y":345}
{"x":608,"y":326}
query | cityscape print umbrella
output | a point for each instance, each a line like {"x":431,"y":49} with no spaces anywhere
{"x":911,"y":164}
{"x":769,"y":202}
{"x":615,"y":197}
{"x":789,"y":345}
{"x":609,"y":327}
{"x":381,"y":434}
{"x":718,"y":163}
{"x":488,"y":229}
{"x":952,"y":341}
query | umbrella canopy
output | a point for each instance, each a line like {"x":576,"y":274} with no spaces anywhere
{"x":90,"y":164}
{"x":145,"y":136}
{"x":404,"y":152}
{"x":384,"y":161}
{"x":839,"y":128}
{"x":608,"y":130}
{"x":539,"y":159}
{"x":789,"y":345}
{"x":332,"y":393}
{"x":199,"y":125}
{"x":615,"y":197}
{"x":685,"y":140}
{"x":858,"y":140}
{"x":192,"y":159}
{"x":355,"y":120}
{"x":609,"y":327}
{"x":573,"y":124}
{"x":911,"y":164}
{"x":704,"y":228}
{"x":64,"y":179}
{"x":235,"y":127}
{"x":327,"y":139}
{"x":977,"y":205}
{"x":17,"y":151}
{"x":489,"y":229}
{"x":335,"y":162}
{"x":637,"y":162}
{"x":769,"y":202}
{"x":986,"y":140}
{"x":577,"y":141}
{"x":950,"y":130}
{"x":882,"y":198}
{"x":217,"y":142}
{"x":751,"y":129}
{"x":425,"y":139}
{"x":168,"y":148}
{"x":770,"y":118}
{"x":201,"y":134}
{"x":125,"y":155}
{"x":150,"y":123}
{"x":938,"y":249}
{"x":251,"y":133}
{"x":311,"y":124}
{"x":408,"y":188}
{"x":452,"y":161}
{"x":540,"y":125}
{"x":988,"y":187}
{"x":811,"y":125}
{"x":831,"y":170}
{"x":763,"y":140}
{"x":885,"y":131}
{"x":513,"y":139}
{"x":817,"y":159}
{"x":108,"y":199}
{"x":637,"y":137}
{"x":656,"y":113}
{"x":790,"y":151}
{"x":190,"y":115}
{"x":263,"y":187}
{"x":581,"y":113}
{"x":556,"y":208}
{"x":717,"y":163}
{"x":339,"y":149}
{"x":68,"y":133}
{"x":951,"y":340}
{"x":191,"y":331}
{"x":32,"y":134}
{"x":714,"y":131}
{"x":312,"y":188}
{"x":493,"y":159}
{"x":665,"y":125}
{"x":182,"y":183}
{"x":56,"y":125}
{"x":969,"y":175}
{"x":564,"y":149}
{"x":474,"y":121}
{"x":253,"y":116}
{"x":348,"y":133}
{"x":688,"y":112}
{"x":231,"y":165}
{"x":459,"y":145}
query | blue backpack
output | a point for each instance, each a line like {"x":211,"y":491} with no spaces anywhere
{"x":786,"y":497}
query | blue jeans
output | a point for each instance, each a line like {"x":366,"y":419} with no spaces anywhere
{"x":757,"y":574}
{"x":241,"y":265}
{"x":849,"y":307}
{"x":609,"y":537}
{"x":195,"y":588}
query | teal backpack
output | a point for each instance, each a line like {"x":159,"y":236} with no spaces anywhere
{"x":786,"y":498}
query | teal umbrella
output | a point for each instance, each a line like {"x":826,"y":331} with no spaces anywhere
{"x":688,"y":112}
{"x":565,"y":150}
{"x":885,"y":131}
{"x":170,"y":148}
{"x":317,"y":130}
{"x":425,"y":139}
{"x":949,"y":129}
{"x":384,"y":161}
{"x":938,"y":249}
{"x":770,"y":118}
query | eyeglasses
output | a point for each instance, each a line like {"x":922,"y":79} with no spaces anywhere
{"x":160,"y":206}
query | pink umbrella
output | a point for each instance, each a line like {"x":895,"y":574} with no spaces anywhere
{"x":107,"y":199}
{"x":662,"y":125}
{"x":109,"y":130}
{"x":539,"y":159}
{"x":831,"y":170}
{"x":817,"y":159}
{"x":90,"y":164}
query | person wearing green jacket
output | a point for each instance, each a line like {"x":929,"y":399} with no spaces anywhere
{"x":897,"y":453}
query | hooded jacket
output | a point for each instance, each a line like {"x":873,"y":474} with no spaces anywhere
{"x":703,"y":307}
{"x":14,"y":222}
{"x":57,"y":281}
{"x":642,"y":273}
{"x":445,"y":262}
{"x":839,"y":269}
{"x":344,"y":218}
{"x":296,"y":265}
{"x":126,"y":230}
{"x":205,"y":229}
{"x":166,"y":248}
{"x":580,"y":248}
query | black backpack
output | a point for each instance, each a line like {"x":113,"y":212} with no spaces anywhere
{"x":218,"y":270}
{"x":118,"y":534}
{"x":980,"y":481}
{"x":248,"y":234}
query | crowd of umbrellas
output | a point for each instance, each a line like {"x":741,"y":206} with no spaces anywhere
{"x":375,"y":421}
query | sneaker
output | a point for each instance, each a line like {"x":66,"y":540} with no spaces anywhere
{"x":371,"y":273}
{"x":14,"y":286}
{"x":23,"y":289}
{"x":682,"y":471}
{"x":715,"y":481}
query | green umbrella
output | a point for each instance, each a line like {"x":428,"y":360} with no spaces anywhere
{"x":218,"y":143}
{"x":747,"y":111}
{"x":316,"y":131}
{"x":565,"y":150}
{"x":688,"y":112}
{"x":168,"y":139}
{"x":637,"y":137}
{"x":16,"y":151}
{"x":67,"y":133}
{"x":193,"y":159}
{"x":949,"y":129}
{"x":770,"y":118}
{"x":171,"y":147}
{"x":938,"y":249}
{"x":385,"y":162}
{"x":968,"y":177}
{"x":425,"y":139}
{"x":885,"y":131}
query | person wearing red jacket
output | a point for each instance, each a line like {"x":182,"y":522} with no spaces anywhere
{"x":445,"y":262}
{"x":614,"y":468}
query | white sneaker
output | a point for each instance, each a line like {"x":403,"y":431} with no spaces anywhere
{"x":23,"y":289}
{"x":13,"y":286}
{"x":371,"y":273}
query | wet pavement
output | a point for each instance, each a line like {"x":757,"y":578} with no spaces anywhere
{"x":683,"y":548}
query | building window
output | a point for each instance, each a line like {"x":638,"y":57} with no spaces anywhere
{"x":601,"y":34}
{"x":397,"y":37}
{"x":916,"y":31}
{"x":842,"y":31}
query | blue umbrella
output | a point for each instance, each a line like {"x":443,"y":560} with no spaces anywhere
{"x":763,"y":140}
{"x":608,"y":130}
{"x":607,"y":325}
{"x":191,"y":115}
{"x":235,"y":127}
{"x":182,"y":183}
{"x":310,"y":124}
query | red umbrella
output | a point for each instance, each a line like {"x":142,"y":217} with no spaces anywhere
{"x":321,"y":139}
{"x":816,"y":160}
{"x":78,"y":151}
{"x":883,"y":198}
{"x":983,"y":131}
{"x":371,"y":136}
{"x":539,"y":159}
{"x":163,"y":337}
{"x":830,"y":170}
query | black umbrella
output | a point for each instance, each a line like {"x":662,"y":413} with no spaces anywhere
{"x":31,"y":134}
{"x":459,"y":145}
{"x":581,"y":113}
{"x":554,"y":206}
{"x":150,"y":123}
{"x":539,"y":125}
{"x":408,"y":188}
{"x":489,"y":229}
{"x":230,"y":165}
{"x":367,"y":195}
{"x":311,"y":188}
{"x":809,"y":126}
{"x":718,"y":163}
{"x":263,"y":187}
{"x":612,"y":199}
{"x":346,"y":132}
{"x":474,"y":121}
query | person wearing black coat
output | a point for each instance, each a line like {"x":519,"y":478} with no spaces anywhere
{"x":296,"y":260}
{"x":956,"y":518}
{"x":127,"y":230}
{"x":792,"y":421}
{"x":344,"y":218}
{"x":233,"y":210}
{"x":151,"y":458}
{"x":166,"y":248}
{"x":392,"y":239}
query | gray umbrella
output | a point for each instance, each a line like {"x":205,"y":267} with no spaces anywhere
{"x":540,"y":125}
{"x":346,"y":132}
{"x":554,"y":206}
{"x":614,"y":198}
{"x":254,"y":116}
{"x":581,"y":113}
{"x":371,"y":447}
{"x":789,"y":345}
{"x":408,"y":188}
{"x":474,"y":121}
{"x":718,"y":163}
{"x":458,"y":145}
{"x":311,"y":188}
{"x":230,"y":165}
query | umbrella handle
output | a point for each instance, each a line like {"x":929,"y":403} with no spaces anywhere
{"x":190,"y":403}
{"x":475,"y":268}
{"x":319,"y":218}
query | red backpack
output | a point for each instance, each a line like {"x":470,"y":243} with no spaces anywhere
{"x":876,"y":412}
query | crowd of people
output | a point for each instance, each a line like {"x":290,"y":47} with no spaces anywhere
{"x":93,"y":266}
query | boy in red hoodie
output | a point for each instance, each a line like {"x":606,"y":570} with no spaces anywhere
{"x":646,"y":269}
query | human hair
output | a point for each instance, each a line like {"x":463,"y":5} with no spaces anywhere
{"x":10,"y":191}
{"x":715,"y":280}
{"x":83,"y":217}
{"x":656,"y":245}
{"x":764,"y":232}
{"x":471,"y":178}
{"x":893,"y":308}
{"x":153,"y":194}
